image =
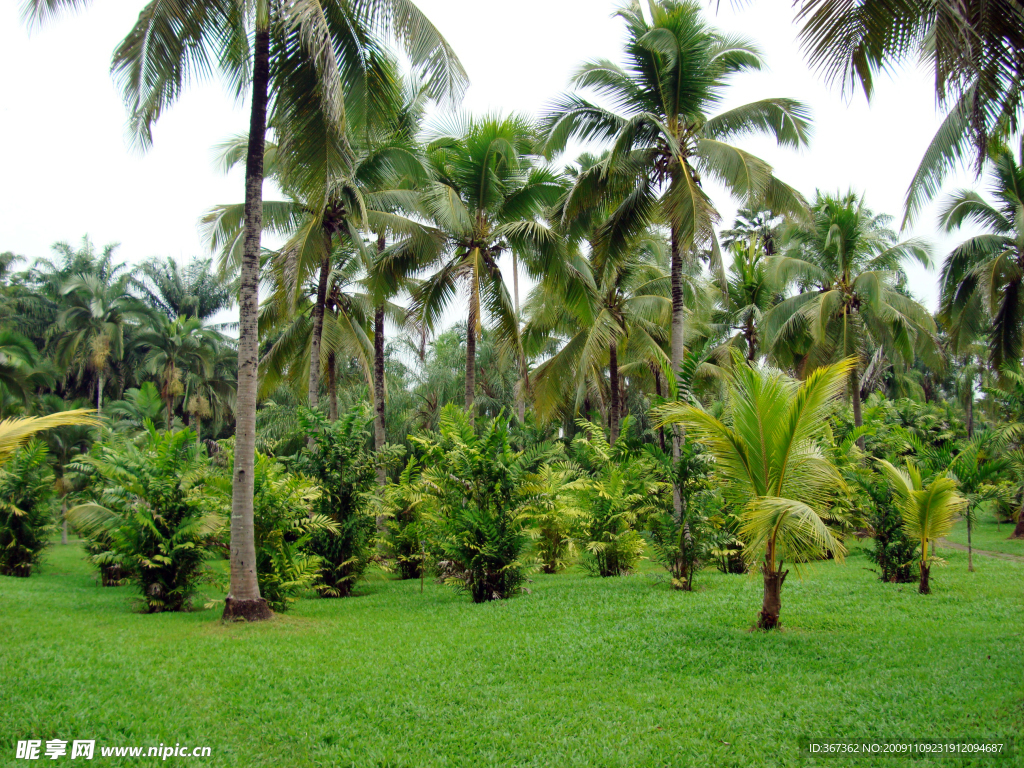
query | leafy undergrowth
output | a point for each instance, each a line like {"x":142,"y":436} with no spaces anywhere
{"x":989,"y":535}
{"x":580,"y":672}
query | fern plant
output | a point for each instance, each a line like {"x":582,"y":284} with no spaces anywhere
{"x":554,"y":521}
{"x":403,"y":539}
{"x":26,"y":520}
{"x":153,"y":520}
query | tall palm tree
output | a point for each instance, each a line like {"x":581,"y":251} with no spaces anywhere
{"x":751,"y":291}
{"x":982,"y":284}
{"x":194,"y":290}
{"x":848,"y":266}
{"x":305,"y":53}
{"x":91,"y":328}
{"x":487,"y":194}
{"x":928,"y":509}
{"x":769,"y":458}
{"x":975,"y":49}
{"x":677,"y":71}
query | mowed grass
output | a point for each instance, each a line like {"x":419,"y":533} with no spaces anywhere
{"x":988,"y":534}
{"x":580,"y":672}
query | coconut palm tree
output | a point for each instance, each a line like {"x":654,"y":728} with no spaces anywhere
{"x":677,"y":72}
{"x":486,"y":196}
{"x":770,"y":460}
{"x":982,"y":286}
{"x":307,"y":54}
{"x":848,"y":267}
{"x":928,"y":509}
{"x":751,"y":291}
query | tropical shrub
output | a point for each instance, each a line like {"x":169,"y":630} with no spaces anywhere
{"x":153,"y":520}
{"x":619,"y":489}
{"x":554,"y":522}
{"x":339,"y":461}
{"x":283,"y":524}
{"x":472,"y":489}
{"x":398,"y":504}
{"x":26,"y":518}
{"x":682,"y":541}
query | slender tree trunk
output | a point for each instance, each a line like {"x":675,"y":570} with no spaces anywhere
{"x":858,"y":419}
{"x":613,"y":374}
{"x":970,"y":411}
{"x":772,"y":605}
{"x":313,"y":393}
{"x":521,"y":388}
{"x":332,"y":387}
{"x":925,"y":587}
{"x":678,"y":350}
{"x":199,"y":430}
{"x":64,"y":520}
{"x":243,"y":600}
{"x":471,"y":356}
{"x":379,"y":403}
{"x":751,"y":335}
{"x":970,"y":551}
{"x":657,"y":391}
{"x":99,"y":394}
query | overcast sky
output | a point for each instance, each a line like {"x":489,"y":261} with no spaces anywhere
{"x":69,"y":170}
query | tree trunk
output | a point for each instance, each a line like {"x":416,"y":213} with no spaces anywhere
{"x":332,"y":387}
{"x":521,"y":389}
{"x":657,"y":391}
{"x":243,"y":600}
{"x":379,"y":423}
{"x":925,"y":587}
{"x":471,"y":356}
{"x":99,"y":394}
{"x":678,"y":350}
{"x":970,"y":551}
{"x":858,"y":419}
{"x":751,"y":335}
{"x":772,"y":605}
{"x":970,"y":411}
{"x":313,"y":393}
{"x":64,"y":520}
{"x":1018,"y":531}
{"x":613,"y":374}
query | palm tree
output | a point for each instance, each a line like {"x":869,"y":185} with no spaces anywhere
{"x":190,"y":291}
{"x":210,"y":391}
{"x":14,"y":433}
{"x":769,"y":458}
{"x":63,"y":445}
{"x":677,"y":71}
{"x":848,"y":266}
{"x":751,"y":292}
{"x":92,"y":326}
{"x":975,"y":48}
{"x":982,"y":284}
{"x":486,"y":197}
{"x":928,"y":510}
{"x":175,"y":348}
{"x":319,"y":50}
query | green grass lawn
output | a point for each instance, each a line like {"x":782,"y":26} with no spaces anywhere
{"x":987,"y":534}
{"x":580,"y":672}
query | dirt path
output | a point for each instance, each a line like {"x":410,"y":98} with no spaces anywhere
{"x":983,"y":552}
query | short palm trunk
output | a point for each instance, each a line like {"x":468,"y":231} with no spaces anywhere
{"x":772,"y":606}
{"x":255,"y":609}
{"x":925,"y":588}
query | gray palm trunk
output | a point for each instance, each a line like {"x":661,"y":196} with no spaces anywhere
{"x":678,"y":350}
{"x":313,"y":393}
{"x":613,"y":375}
{"x":471,"y":357}
{"x":521,"y":386}
{"x":332,"y":387}
{"x":99,"y":395}
{"x":379,"y":433}
{"x":243,"y":600}
{"x":64,"y":520}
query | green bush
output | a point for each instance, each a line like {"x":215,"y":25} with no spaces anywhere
{"x":472,"y":487}
{"x":346,"y":470}
{"x":154,"y":520}
{"x":555,"y":523}
{"x":618,"y":490}
{"x":398,"y":504}
{"x":26,"y":519}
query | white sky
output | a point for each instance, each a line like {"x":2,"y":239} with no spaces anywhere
{"x":69,"y":170}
